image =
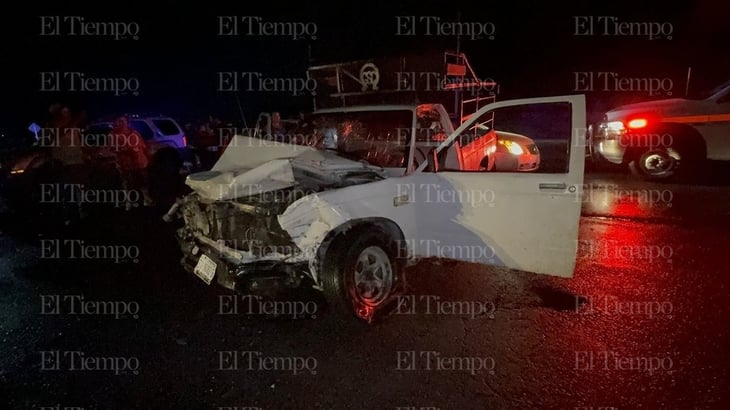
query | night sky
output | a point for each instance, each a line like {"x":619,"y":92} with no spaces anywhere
{"x":178,"y":53}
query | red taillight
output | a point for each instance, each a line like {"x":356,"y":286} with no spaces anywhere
{"x":637,"y":123}
{"x":185,"y":141}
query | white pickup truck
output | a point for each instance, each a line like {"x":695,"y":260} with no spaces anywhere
{"x":369,"y":191}
{"x":666,"y":138}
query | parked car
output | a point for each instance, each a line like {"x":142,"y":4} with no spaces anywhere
{"x":511,"y":152}
{"x":166,"y":145}
{"x":663,"y":139}
{"x":350,"y":211}
{"x":516,"y":152}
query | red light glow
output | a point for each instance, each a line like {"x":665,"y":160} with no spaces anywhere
{"x":637,"y":123}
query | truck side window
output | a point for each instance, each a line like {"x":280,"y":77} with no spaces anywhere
{"x":142,"y":128}
{"x":524,"y":138}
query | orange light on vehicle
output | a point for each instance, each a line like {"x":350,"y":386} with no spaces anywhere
{"x":513,"y":147}
{"x":185,"y":141}
{"x":637,"y":123}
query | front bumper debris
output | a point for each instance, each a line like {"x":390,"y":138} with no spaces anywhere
{"x":238,"y":271}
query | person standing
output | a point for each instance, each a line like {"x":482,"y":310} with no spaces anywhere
{"x":67,"y":151}
{"x":278,"y":131}
{"x":131,"y":160}
{"x":207,"y":143}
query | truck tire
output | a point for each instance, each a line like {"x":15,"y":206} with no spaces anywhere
{"x":657,"y":164}
{"x":683,"y":159}
{"x":361,"y":273}
{"x":669,"y":164}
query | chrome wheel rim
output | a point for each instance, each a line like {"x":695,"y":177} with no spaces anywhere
{"x":373,"y":277}
{"x":659,"y":163}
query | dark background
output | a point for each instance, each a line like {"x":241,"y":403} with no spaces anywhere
{"x":176,"y":59}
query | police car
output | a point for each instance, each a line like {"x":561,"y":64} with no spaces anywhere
{"x":664,"y":139}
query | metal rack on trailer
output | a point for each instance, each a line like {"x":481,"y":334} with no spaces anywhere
{"x":449,"y":80}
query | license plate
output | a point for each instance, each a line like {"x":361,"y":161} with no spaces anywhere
{"x":213,"y":149}
{"x":205,"y":269}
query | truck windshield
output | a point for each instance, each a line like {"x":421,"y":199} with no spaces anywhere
{"x":378,"y":137}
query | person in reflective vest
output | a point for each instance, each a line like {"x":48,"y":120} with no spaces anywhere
{"x":131,"y":159}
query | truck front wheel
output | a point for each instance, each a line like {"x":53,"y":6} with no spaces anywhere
{"x":361,"y":273}
{"x":670,"y":152}
{"x":657,"y":163}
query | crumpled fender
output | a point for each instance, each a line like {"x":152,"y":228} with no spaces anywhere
{"x":308,"y":221}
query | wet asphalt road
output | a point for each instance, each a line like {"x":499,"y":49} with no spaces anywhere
{"x":643,"y":324}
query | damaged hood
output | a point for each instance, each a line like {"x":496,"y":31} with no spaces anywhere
{"x":251,"y":166}
{"x":330,"y":162}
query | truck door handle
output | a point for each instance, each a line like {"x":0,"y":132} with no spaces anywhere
{"x":554,"y":186}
